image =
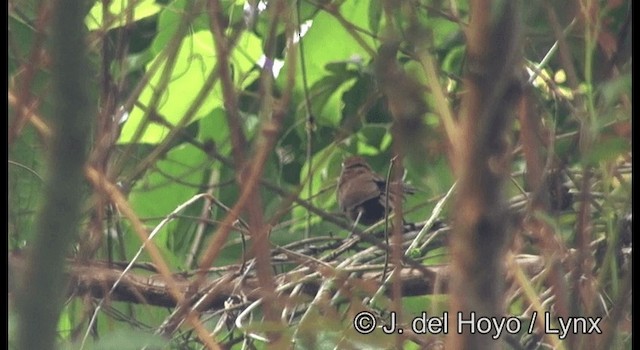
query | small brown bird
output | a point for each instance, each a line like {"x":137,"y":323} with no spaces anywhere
{"x":362,"y":192}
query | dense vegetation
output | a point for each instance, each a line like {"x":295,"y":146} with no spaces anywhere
{"x":196,"y":145}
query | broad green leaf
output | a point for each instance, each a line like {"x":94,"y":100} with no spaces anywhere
{"x":327,"y":104}
{"x":325,"y":172}
{"x":195,"y":62}
{"x":321,"y":48}
{"x":214,"y":127}
{"x":118,"y":15}
{"x":373,"y":139}
{"x":170,"y":19}
{"x":178,"y":178}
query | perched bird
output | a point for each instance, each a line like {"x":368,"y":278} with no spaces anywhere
{"x":363,"y":192}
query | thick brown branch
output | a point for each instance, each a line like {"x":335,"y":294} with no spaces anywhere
{"x":96,"y":279}
{"x":482,"y":164}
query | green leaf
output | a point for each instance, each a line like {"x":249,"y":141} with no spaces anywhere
{"x":607,"y":150}
{"x":375,"y":15}
{"x":178,"y":177}
{"x":214,"y":127}
{"x":373,"y":139}
{"x":195,"y":62}
{"x":436,"y":256}
{"x":325,"y":165}
{"x":612,"y":90}
{"x":319,"y":53}
{"x":127,"y":338}
{"x":169,"y":21}
{"x":326,"y":103}
{"x":119,"y":13}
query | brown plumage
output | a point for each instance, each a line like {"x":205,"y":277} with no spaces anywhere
{"x":362,"y":190}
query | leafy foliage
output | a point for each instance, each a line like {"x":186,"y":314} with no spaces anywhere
{"x":304,"y":81}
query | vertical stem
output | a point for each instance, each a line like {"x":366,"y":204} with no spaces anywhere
{"x":482,"y":165}
{"x":40,"y":300}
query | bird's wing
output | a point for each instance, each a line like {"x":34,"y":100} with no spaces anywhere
{"x":382,"y":185}
{"x":360,"y":191}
